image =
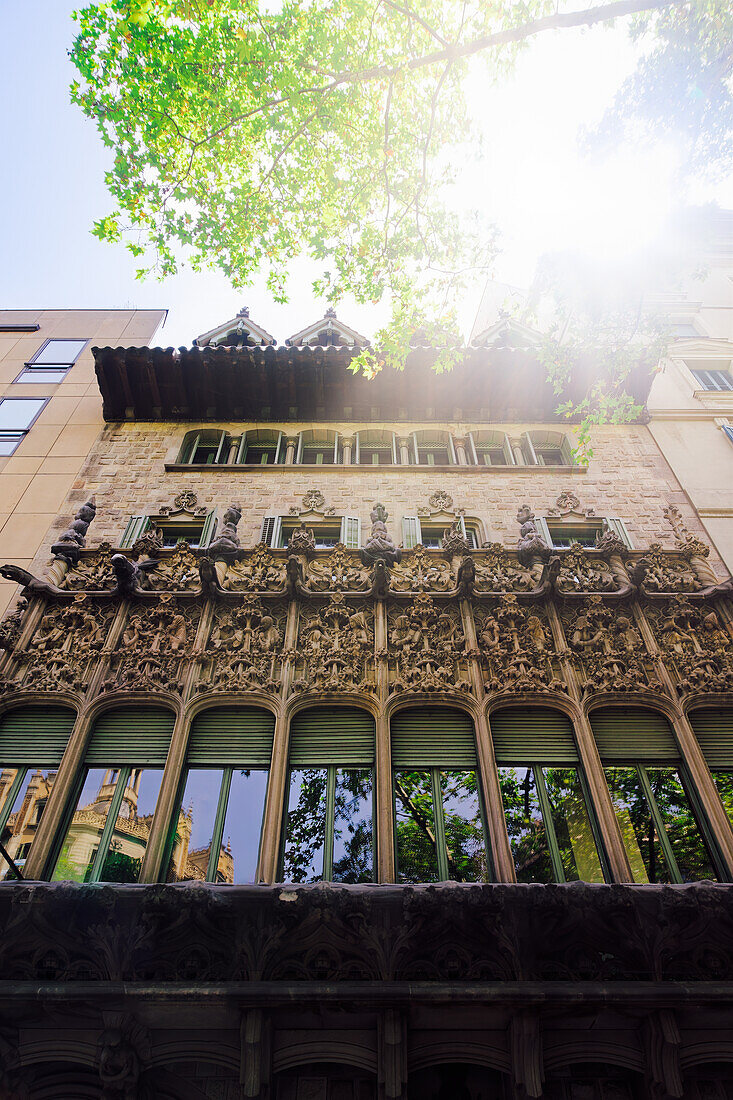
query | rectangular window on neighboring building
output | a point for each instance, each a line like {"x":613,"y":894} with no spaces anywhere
{"x":713,"y":379}
{"x":17,"y":414}
{"x":52,"y":360}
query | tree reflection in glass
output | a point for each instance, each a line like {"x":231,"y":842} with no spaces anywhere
{"x":525,"y":825}
{"x":417,"y":857}
{"x":439,"y":827}
{"x":724,"y":782}
{"x":572,"y":825}
{"x":464,"y":832}
{"x":353,"y":841}
{"x":329,"y":830}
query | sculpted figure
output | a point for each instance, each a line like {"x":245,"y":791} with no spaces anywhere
{"x":536,"y":631}
{"x":401,"y":634}
{"x":626,"y":632}
{"x":380,"y":544}
{"x":360,"y":631}
{"x":490,"y":634}
{"x":584,"y":635}
{"x":228,"y":540}
{"x":270,"y":635}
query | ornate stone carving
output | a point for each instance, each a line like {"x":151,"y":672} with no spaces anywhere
{"x":380,"y":544}
{"x":243,"y":647}
{"x":419,"y":571}
{"x":531,"y":544}
{"x":258,"y":571}
{"x":130,"y":575}
{"x":176,"y":572}
{"x":227,"y":541}
{"x":441,"y":501}
{"x":454,"y":541}
{"x":611,"y":652}
{"x":154,"y":642}
{"x":695,"y":644}
{"x":516,"y":647}
{"x":426,"y":643}
{"x":341,"y":570}
{"x":569,"y":504}
{"x":92,"y":570}
{"x":302,"y":541}
{"x":497,"y":571}
{"x":124,"y":1051}
{"x":667,"y":573}
{"x":336,"y":648}
{"x":313,"y":501}
{"x":11,"y":625}
{"x":66,"y":645}
{"x":72,"y":540}
{"x":149,"y":545}
{"x":185,"y":501}
{"x":582,"y":572}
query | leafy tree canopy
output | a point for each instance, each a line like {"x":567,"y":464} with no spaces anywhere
{"x":246,"y":134}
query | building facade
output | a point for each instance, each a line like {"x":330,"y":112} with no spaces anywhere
{"x":50,"y":414}
{"x":356,"y":743}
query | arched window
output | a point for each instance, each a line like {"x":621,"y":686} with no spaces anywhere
{"x":439,"y":818}
{"x":655,"y":803}
{"x":32,"y":742}
{"x":329,"y":820}
{"x":261,"y":447}
{"x":106,"y":838}
{"x":432,"y":448}
{"x":318,"y":446}
{"x":551,"y":831}
{"x":216,"y":832}
{"x":205,"y":447}
{"x":376,"y":448}
{"x":713,"y":728}
{"x":542,"y":448}
{"x":490,"y":449}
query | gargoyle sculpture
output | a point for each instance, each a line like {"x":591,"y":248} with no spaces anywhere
{"x":129,"y":573}
{"x":33,"y":586}
{"x":209,"y":579}
{"x":293,"y":576}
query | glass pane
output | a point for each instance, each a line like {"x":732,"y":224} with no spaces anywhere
{"x":305,"y":830}
{"x":637,"y":827}
{"x":724,"y":783}
{"x":464,"y":831}
{"x":132,"y":828}
{"x":578,"y":852}
{"x":8,"y":443}
{"x":18,"y":412}
{"x":25,"y":814}
{"x":693,"y":858}
{"x":82,"y":839}
{"x":242,"y":826}
{"x":195,"y":825}
{"x":353,"y":858}
{"x":525,"y":826}
{"x":49,"y":377}
{"x":60,"y":351}
{"x":417,"y":859}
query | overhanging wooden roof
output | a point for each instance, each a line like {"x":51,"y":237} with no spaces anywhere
{"x":281,"y":383}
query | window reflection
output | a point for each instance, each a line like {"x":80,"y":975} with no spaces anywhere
{"x":661,"y":835}
{"x":439,"y":827}
{"x":549,"y":826}
{"x":109,"y":830}
{"x":328,"y":831}
{"x":24,"y":793}
{"x":217,"y":833}
{"x":724,"y":782}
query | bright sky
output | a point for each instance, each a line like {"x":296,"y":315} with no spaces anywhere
{"x":533,"y":183}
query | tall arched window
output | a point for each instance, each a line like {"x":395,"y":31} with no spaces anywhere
{"x":439,"y":818}
{"x":216,"y":832}
{"x":655,"y":803}
{"x":432,"y":448}
{"x":261,"y":447}
{"x":318,"y":447}
{"x":551,"y":831}
{"x":376,"y":448}
{"x":32,"y":742}
{"x":329,"y":819}
{"x":107,"y":835}
{"x":205,"y":447}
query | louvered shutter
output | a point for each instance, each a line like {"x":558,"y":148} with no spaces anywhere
{"x":566,"y":450}
{"x":138,"y":736}
{"x":632,"y":733}
{"x":508,"y":452}
{"x":136,"y":526}
{"x":713,"y":728}
{"x":351,"y":532}
{"x":543,"y":530}
{"x":191,"y":450}
{"x":433,"y":737}
{"x":452,"y":451}
{"x":619,"y":528}
{"x":532,"y":735}
{"x":242,"y":449}
{"x":271,"y":531}
{"x":332,"y":735}
{"x":208,"y":529}
{"x":231,"y":737}
{"x":529,"y":449}
{"x":35,"y":736}
{"x":411,"y":534}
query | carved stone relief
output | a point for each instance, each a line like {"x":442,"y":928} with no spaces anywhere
{"x":335,"y":647}
{"x":499,"y":571}
{"x":341,"y":571}
{"x":151,"y":651}
{"x":667,"y":573}
{"x":66,"y":645}
{"x":258,"y":571}
{"x":426,"y":647}
{"x":695,"y":644}
{"x":243,"y":649}
{"x":516,"y":648}
{"x":92,"y":570}
{"x":176,"y":572}
{"x":420,"y":571}
{"x":584,"y":572}
{"x":608,"y":649}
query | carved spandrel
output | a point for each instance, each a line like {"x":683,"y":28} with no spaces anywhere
{"x":499,"y":571}
{"x":668,"y":572}
{"x":66,"y":645}
{"x":608,"y":650}
{"x":176,"y":572}
{"x":421,"y":571}
{"x":93,"y":571}
{"x":426,"y":647}
{"x":336,"y":647}
{"x":339,"y":571}
{"x":584,"y":572}
{"x":695,"y":647}
{"x":516,"y":648}
{"x":153,"y":646}
{"x":243,"y":650}
{"x":257,"y":571}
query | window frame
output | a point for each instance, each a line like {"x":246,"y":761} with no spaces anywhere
{"x":711,"y":373}
{"x":243,"y":448}
{"x":472,"y":527}
{"x":446,"y":444}
{"x":19,"y":434}
{"x":607,"y":523}
{"x":188,"y":449}
{"x":63,"y":367}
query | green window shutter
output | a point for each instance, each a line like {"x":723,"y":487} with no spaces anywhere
{"x":35,"y":736}
{"x":231,"y":737}
{"x":566,"y":450}
{"x":508,"y":452}
{"x":138,"y":736}
{"x":435,"y":737}
{"x":190,"y":448}
{"x":351,"y":532}
{"x":543,"y":530}
{"x":532,"y":735}
{"x":619,"y":528}
{"x":632,"y":733}
{"x":713,"y":728}
{"x":271,"y":531}
{"x":242,"y":450}
{"x":528,"y":448}
{"x":207,"y":531}
{"x":332,"y":735}
{"x":136,"y":525}
{"x":411,"y":534}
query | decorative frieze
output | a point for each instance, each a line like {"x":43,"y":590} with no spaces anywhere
{"x":243,"y":648}
{"x":426,"y":647}
{"x":335,"y":651}
{"x":516,"y":648}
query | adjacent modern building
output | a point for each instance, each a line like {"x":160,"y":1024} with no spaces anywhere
{"x":357,"y":743}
